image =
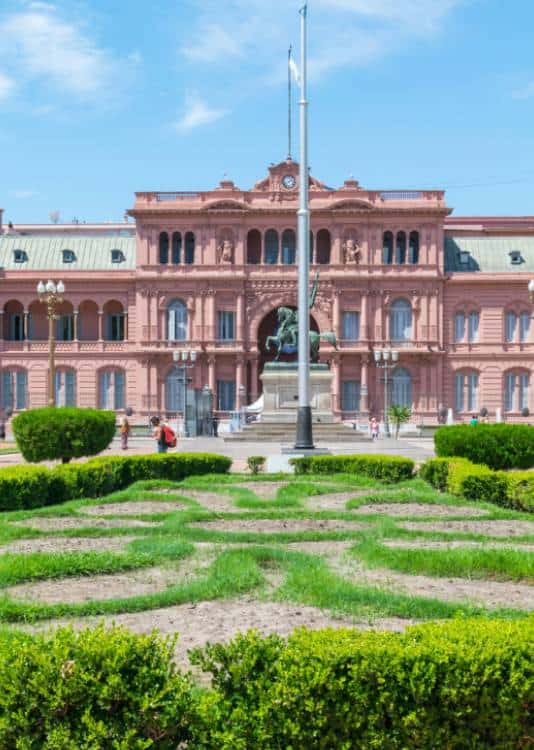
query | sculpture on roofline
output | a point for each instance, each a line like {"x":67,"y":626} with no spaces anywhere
{"x":351,"y":251}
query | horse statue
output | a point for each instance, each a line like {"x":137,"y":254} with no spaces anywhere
{"x":287,"y":331}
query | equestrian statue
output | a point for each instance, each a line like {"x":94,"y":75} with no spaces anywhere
{"x":287,"y":332}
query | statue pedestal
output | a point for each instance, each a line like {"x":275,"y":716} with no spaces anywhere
{"x":281,"y":392}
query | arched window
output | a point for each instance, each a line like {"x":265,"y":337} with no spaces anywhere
{"x":163,"y":248}
{"x":400,"y":249}
{"x":469,"y":321}
{"x":189,"y":248}
{"x":174,"y":390}
{"x":177,"y":321}
{"x":459,"y":327}
{"x":387,"y":249}
{"x":289,"y":244}
{"x":14,"y":390}
{"x":401,"y":390}
{"x":400,"y":320}
{"x":515,"y":324}
{"x":65,"y":388}
{"x":323,"y":247}
{"x":466,"y":391}
{"x":516,"y":391}
{"x":112,"y":390}
{"x":271,"y":247}
{"x":254,"y":247}
{"x":472,"y":326}
{"x":413,"y":250}
{"x":176,"y":248}
{"x":114,"y":321}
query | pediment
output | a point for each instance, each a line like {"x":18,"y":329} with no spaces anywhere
{"x":354,"y":204}
{"x":226,"y":205}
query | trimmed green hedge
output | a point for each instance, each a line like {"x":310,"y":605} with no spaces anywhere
{"x":65,"y":433}
{"x":514,"y":489}
{"x":463,"y":684}
{"x":25,"y":487}
{"x":385,"y":468}
{"x":499,"y":446}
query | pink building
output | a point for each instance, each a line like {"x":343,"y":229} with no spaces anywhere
{"x":206,"y":271}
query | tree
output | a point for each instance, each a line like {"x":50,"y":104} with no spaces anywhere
{"x":398,"y":415}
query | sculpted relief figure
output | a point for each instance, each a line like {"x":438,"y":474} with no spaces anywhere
{"x":351,"y":250}
{"x":226,"y":251}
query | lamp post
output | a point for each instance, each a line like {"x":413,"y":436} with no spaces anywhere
{"x":185,"y":359}
{"x":386,"y":359}
{"x":51,"y":294}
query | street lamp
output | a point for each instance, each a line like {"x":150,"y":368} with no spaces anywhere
{"x":386,"y":359}
{"x":51,"y":294}
{"x":185,"y":359}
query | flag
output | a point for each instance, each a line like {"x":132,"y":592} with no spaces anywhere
{"x":293,"y":67}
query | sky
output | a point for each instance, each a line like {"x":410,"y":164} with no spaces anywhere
{"x":102,"y":98}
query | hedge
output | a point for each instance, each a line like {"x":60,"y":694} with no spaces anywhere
{"x":25,"y":487}
{"x":463,"y":684}
{"x":65,"y":433}
{"x":499,"y":446}
{"x":461,"y":477}
{"x":385,"y":468}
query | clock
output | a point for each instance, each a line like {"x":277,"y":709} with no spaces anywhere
{"x":288,"y":181}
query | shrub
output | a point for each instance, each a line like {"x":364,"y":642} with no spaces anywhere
{"x":435,"y":471}
{"x":94,"y":689}
{"x":385,"y":468}
{"x":464,"y":684}
{"x":256,"y":463}
{"x":520,"y":490}
{"x":65,"y":433}
{"x":499,"y":446}
{"x":31,"y":487}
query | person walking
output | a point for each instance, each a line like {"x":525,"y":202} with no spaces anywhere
{"x":158,"y":434}
{"x":125,"y":431}
{"x":474,"y":420}
{"x":375,"y":428}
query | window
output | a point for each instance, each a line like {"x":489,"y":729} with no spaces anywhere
{"x":163,"y":248}
{"x":459,"y":387}
{"x":472,"y":392}
{"x":271,"y":247}
{"x":115,"y":327}
{"x":472,"y":333}
{"x":174,"y":390}
{"x":112,"y":390}
{"x":524,"y":327}
{"x":466,"y":392}
{"x":226,"y":325}
{"x":20,"y":256}
{"x":65,"y":327}
{"x":14,"y":390}
{"x":117,"y":256}
{"x":350,"y":395}
{"x":387,"y":249}
{"x":177,"y":321}
{"x":464,"y":257}
{"x":68,"y":256}
{"x":400,"y":248}
{"x":400,"y":320}
{"x":254,"y":247}
{"x":350,"y":325}
{"x":413,"y":249}
{"x":515,"y":257}
{"x":401,"y":392}
{"x":510,"y":326}
{"x":322,"y":253}
{"x":189,"y":248}
{"x":226,"y":395}
{"x":16,"y":327}
{"x":516,"y":391}
{"x":288,"y":247}
{"x":459,"y":327}
{"x":176,"y":248}
{"x":65,"y":388}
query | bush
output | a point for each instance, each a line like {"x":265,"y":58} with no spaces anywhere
{"x":385,"y":468}
{"x":65,"y":433}
{"x":32,"y":487}
{"x":499,"y":446}
{"x":94,"y":689}
{"x":464,"y":684}
{"x":520,"y":490}
{"x":256,"y":463}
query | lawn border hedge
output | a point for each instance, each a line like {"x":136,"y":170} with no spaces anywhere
{"x":390,"y":469}
{"x":499,"y":446}
{"x":26,"y":487}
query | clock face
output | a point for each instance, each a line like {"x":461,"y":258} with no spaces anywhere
{"x":288,"y":181}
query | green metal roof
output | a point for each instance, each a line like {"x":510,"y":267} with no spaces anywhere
{"x":489,"y":254}
{"x":46,"y":253}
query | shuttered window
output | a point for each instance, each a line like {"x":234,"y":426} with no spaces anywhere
{"x":350,"y":325}
{"x":350,"y":395}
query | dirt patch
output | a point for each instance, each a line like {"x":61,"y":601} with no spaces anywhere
{"x":456,"y":544}
{"x":144,"y":508}
{"x":280,"y":526}
{"x":263,"y":490}
{"x":67,"y":544}
{"x":418,"y":509}
{"x":336,"y":501}
{"x":66,"y":523}
{"x":488,"y":528}
{"x":213,"y":502}
{"x":323,"y":549}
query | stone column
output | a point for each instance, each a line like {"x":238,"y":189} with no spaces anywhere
{"x":75,"y":324}
{"x":25,"y":326}
{"x":239,"y":316}
{"x":364,"y":386}
{"x":239,"y":381}
{"x":336,"y":385}
{"x":364,"y":323}
{"x":211,"y":321}
{"x":100,"y":325}
{"x":211,"y":379}
{"x":1,"y":325}
{"x":335,"y":250}
{"x":126,"y":336}
{"x":253,"y":380}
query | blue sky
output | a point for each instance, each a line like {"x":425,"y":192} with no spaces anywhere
{"x":100,"y":98}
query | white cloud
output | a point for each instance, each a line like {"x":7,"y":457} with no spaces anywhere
{"x":6,"y":86}
{"x":197,"y":113}
{"x":23,"y":194}
{"x":214,"y":44}
{"x":527,"y":92}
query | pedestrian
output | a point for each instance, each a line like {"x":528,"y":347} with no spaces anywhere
{"x":158,"y":434}
{"x":474,"y":420}
{"x":375,"y":428}
{"x":124,"y":430}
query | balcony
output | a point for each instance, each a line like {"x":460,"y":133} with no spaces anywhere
{"x":65,"y":347}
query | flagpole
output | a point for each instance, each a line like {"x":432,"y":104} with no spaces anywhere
{"x":304,"y":416}
{"x":289,"y":96}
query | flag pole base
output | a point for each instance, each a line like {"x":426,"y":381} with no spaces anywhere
{"x":304,"y":429}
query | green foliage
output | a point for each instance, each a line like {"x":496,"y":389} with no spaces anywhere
{"x":435,"y":471}
{"x":499,"y":446}
{"x":94,"y":689}
{"x":256,"y":463}
{"x":465,"y":684}
{"x":384,"y":468}
{"x":398,"y":415}
{"x":24,"y":487}
{"x":521,"y":490}
{"x":65,"y":433}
